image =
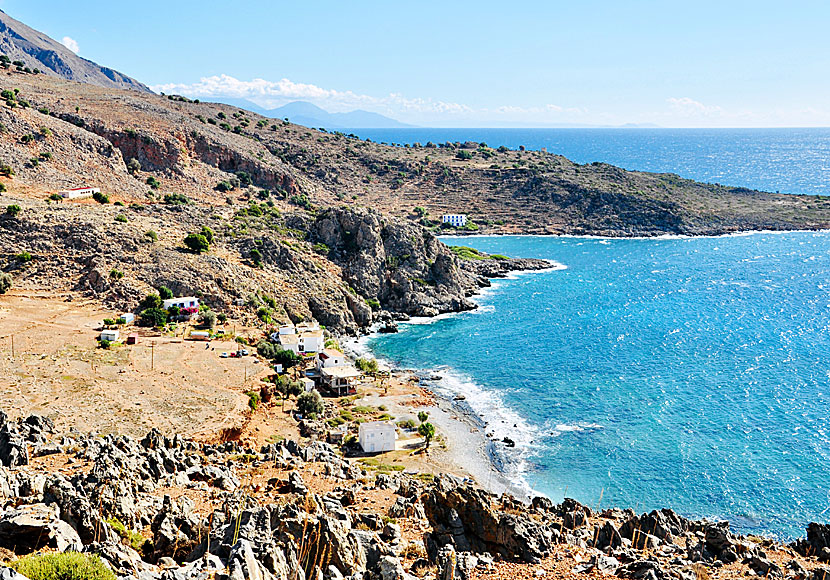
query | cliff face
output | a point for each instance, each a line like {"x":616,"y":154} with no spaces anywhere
{"x":36,"y":50}
{"x":401,"y":265}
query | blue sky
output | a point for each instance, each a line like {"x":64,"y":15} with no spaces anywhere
{"x":473,"y":64}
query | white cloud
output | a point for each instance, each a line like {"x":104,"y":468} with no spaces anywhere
{"x":689,"y":107}
{"x":71,"y":44}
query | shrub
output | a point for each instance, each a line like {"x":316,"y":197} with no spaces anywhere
{"x":104,"y":343}
{"x":45,"y":131}
{"x":256,"y":257}
{"x":302,"y":201}
{"x":6,"y":170}
{"x":3,"y":188}
{"x":420,"y":211}
{"x":154,"y":237}
{"x":463,"y":155}
{"x":137,"y":541}
{"x":121,"y":218}
{"x":373,"y":304}
{"x":224,"y":186}
{"x":23,"y":257}
{"x":121,"y":321}
{"x":165,"y":293}
{"x":150,"y":301}
{"x":310,"y":403}
{"x":12,"y":210}
{"x":28,"y":138}
{"x":5,"y":283}
{"x":176,"y":199}
{"x":63,"y":566}
{"x":264,"y":314}
{"x":116,"y":274}
{"x":45,"y":156}
{"x":100,"y":197}
{"x":253,"y":400}
{"x":208,"y":233}
{"x":222,"y":317}
{"x":322,"y":249}
{"x":109,"y":322}
{"x":197,"y":243}
{"x":406,"y":424}
{"x":133,"y":166}
{"x":423,"y":416}
{"x":369,"y":366}
{"x":153,"y":182}
{"x":153,"y":317}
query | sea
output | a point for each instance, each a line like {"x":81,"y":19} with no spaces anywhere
{"x":690,"y":373}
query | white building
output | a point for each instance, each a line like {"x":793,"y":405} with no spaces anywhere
{"x":377,"y":436}
{"x":304,"y":338}
{"x":329,"y":358}
{"x":79,"y":192}
{"x":109,"y":335}
{"x":455,"y":220}
{"x":186,"y":304}
{"x":128,"y":317}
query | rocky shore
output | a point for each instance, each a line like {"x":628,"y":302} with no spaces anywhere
{"x":170,"y":508}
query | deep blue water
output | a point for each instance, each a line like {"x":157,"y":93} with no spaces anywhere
{"x":783,"y":160}
{"x":684,"y":373}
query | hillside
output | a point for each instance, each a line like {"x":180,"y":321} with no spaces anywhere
{"x":316,"y":224}
{"x":37,"y":51}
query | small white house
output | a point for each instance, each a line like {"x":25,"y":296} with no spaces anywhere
{"x":308,"y":384}
{"x":304,"y":338}
{"x":377,"y":436}
{"x":128,"y":317}
{"x":200,"y":335}
{"x":186,"y":304}
{"x":109,"y":335}
{"x":455,"y":220}
{"x":79,"y":192}
{"x":330,"y":358}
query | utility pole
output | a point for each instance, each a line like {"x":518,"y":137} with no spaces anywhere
{"x":12,"y":346}
{"x":152,"y":355}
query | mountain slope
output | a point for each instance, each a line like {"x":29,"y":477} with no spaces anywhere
{"x":310,"y":115}
{"x":36,"y":50}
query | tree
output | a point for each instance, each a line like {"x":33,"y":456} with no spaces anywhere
{"x":420,"y":211}
{"x":133,"y":166}
{"x":256,"y":258}
{"x":427,"y":431}
{"x":153,"y":182}
{"x":153,"y":317}
{"x":197,"y":243}
{"x":150,"y":301}
{"x":165,"y":293}
{"x":423,"y":416}
{"x":12,"y":210}
{"x":368,"y":366}
{"x":209,"y":319}
{"x":310,"y":403}
{"x":286,"y":358}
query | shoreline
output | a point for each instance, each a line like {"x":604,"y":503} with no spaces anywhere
{"x":658,"y":237}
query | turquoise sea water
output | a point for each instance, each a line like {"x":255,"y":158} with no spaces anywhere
{"x":785,"y":160}
{"x":684,"y":373}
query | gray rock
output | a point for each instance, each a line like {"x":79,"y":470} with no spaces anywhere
{"x":33,"y":527}
{"x":11,"y":574}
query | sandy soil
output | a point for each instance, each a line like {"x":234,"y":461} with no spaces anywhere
{"x":58,"y":370}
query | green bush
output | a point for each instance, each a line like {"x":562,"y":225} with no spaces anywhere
{"x":152,"y":300}
{"x":253,"y":400}
{"x":310,"y":403}
{"x":3,"y":188}
{"x":423,"y":416}
{"x":256,"y":257}
{"x":373,"y":304}
{"x":133,"y":166}
{"x":154,"y":237}
{"x":153,"y":317}
{"x":105,"y":343}
{"x":208,"y":233}
{"x":406,"y":424}
{"x":12,"y":210}
{"x":23,"y":256}
{"x":137,"y":541}
{"x":153,"y":182}
{"x":100,"y":197}
{"x":56,"y":197}
{"x":165,"y":293}
{"x":464,"y":155}
{"x":5,"y":283}
{"x":116,"y":274}
{"x":121,"y":218}
{"x":427,"y":431}
{"x":64,"y":566}
{"x":6,"y":170}
{"x":176,"y":199}
{"x":197,"y":243}
{"x":369,"y":366}
{"x":224,"y":186}
{"x":209,"y":319}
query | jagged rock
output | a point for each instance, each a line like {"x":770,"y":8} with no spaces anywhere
{"x":243,"y":565}
{"x":122,"y":559}
{"x":391,"y":569}
{"x":13,"y":450}
{"x":214,"y":475}
{"x":296,"y":483}
{"x":643,"y":570}
{"x":608,"y":537}
{"x":763,"y":567}
{"x":31,"y":527}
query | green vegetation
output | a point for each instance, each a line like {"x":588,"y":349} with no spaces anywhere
{"x":467,"y":253}
{"x":100,"y":197}
{"x":64,"y":566}
{"x":321,"y":249}
{"x":464,"y":155}
{"x":176,"y":199}
{"x":23,"y":256}
{"x":116,"y":274}
{"x":368,"y":366}
{"x":420,"y":211}
{"x":406,"y":424}
{"x":136,"y":540}
{"x":121,"y":218}
{"x":302,"y":200}
{"x":153,"y":317}
{"x":165,"y":293}
{"x":256,"y":257}
{"x":153,"y":236}
{"x":12,"y":210}
{"x":423,"y":416}
{"x":133,"y":166}
{"x":373,"y":304}
{"x":197,"y":243}
{"x":310,"y":404}
{"x":376,"y":465}
{"x":6,"y":170}
{"x":104,"y":343}
{"x":5,"y":283}
{"x":253,"y":400}
{"x":153,"y":182}
{"x":276,"y":354}
{"x":427,"y":431}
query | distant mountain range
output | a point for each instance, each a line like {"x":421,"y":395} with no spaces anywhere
{"x":310,"y":115}
{"x":38,"y":51}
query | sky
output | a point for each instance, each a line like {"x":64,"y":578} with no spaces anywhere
{"x":725,"y":63}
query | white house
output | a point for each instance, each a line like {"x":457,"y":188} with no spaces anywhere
{"x":304,"y":338}
{"x":330,"y":358}
{"x":308,"y":384}
{"x":79,"y":192}
{"x":186,"y":304}
{"x":341,"y":380}
{"x":455,"y":220}
{"x":109,"y":335}
{"x":128,"y":317}
{"x":377,"y":436}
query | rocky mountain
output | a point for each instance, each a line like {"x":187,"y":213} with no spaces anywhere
{"x":310,"y":115}
{"x":37,"y":51}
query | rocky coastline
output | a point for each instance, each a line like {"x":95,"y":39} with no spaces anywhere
{"x":170,"y":508}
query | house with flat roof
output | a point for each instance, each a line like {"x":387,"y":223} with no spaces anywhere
{"x":109,"y":335}
{"x":455,"y":220}
{"x":377,"y":436}
{"x":79,"y":192}
{"x":185,"y":304}
{"x":341,"y":380}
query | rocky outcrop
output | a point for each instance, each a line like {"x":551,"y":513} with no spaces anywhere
{"x":403,"y":267}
